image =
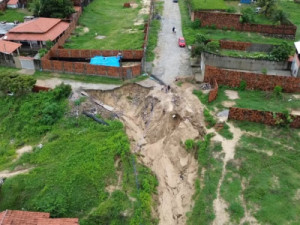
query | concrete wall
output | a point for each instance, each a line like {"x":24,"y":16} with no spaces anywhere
{"x":263,"y":117}
{"x":232,"y":21}
{"x":243,"y":63}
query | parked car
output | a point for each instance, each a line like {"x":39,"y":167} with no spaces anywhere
{"x":181,"y":42}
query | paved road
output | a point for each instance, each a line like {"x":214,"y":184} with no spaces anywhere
{"x":171,"y":61}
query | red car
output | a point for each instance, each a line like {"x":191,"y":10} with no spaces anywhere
{"x":181,"y":42}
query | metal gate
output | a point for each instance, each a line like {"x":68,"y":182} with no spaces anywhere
{"x":26,"y":62}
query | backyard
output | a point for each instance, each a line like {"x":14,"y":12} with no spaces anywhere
{"x":11,"y":15}
{"x":260,"y":183}
{"x":109,"y":25}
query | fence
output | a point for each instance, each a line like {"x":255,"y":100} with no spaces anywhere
{"x":264,"y":117}
{"x":231,"y":21}
{"x":245,"y":46}
{"x":254,"y":81}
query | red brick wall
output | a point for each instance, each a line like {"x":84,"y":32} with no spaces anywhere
{"x":234,"y":45}
{"x":263,"y":117}
{"x":254,"y":81}
{"x":39,"y":88}
{"x":214,"y":92}
{"x":229,"y":20}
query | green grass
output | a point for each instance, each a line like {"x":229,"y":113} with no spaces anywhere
{"x":225,"y":132}
{"x":74,"y":167}
{"x":11,"y":15}
{"x":292,"y":9}
{"x":189,"y":32}
{"x":244,"y":54}
{"x":109,"y":19}
{"x":268,"y":162}
{"x":203,"y":212}
{"x":208,"y":4}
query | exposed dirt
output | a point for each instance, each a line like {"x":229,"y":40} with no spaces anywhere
{"x":143,"y":11}
{"x":7,"y":173}
{"x":21,"y":151}
{"x":296,"y":112}
{"x":100,"y":37}
{"x":157,"y":123}
{"x":228,"y":146}
{"x":228,"y":103}
{"x":232,"y":94}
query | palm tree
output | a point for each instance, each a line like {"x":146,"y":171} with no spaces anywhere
{"x":267,"y":6}
{"x":280,"y":17}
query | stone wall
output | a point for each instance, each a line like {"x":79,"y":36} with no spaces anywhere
{"x":264,"y":117}
{"x":223,"y":20}
{"x":254,"y":81}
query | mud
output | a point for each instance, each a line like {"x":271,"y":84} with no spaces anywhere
{"x":157,"y":123}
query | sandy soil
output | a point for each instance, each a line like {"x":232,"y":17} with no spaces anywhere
{"x":228,"y":104}
{"x":296,"y":112}
{"x":232,"y":94}
{"x":21,"y":151}
{"x":7,"y":173}
{"x":143,"y":11}
{"x":156,"y":123}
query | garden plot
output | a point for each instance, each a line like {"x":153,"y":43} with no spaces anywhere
{"x":109,"y":25}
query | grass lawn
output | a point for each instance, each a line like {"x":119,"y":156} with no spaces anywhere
{"x":189,"y":32}
{"x":244,"y":54}
{"x":208,"y":4}
{"x":292,"y":9}
{"x":11,"y":15}
{"x":111,"y":20}
{"x":74,"y":167}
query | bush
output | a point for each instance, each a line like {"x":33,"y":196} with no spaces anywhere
{"x":281,"y":52}
{"x":213,"y":46}
{"x":62,"y":91}
{"x":200,"y":38}
{"x":277,"y":91}
{"x":248,"y":15}
{"x":231,"y":10}
{"x":189,"y":144}
{"x":209,"y":119}
{"x":243,"y":85}
{"x":196,"y":24}
{"x":18,"y":84}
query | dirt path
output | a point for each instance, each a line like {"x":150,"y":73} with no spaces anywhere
{"x":171,"y":61}
{"x":228,"y":146}
{"x":7,"y":173}
{"x":157,"y":123}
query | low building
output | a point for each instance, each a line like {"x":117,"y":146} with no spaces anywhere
{"x":35,"y":33}
{"x":16,"y":217}
{"x":295,"y":68}
{"x":13,"y":4}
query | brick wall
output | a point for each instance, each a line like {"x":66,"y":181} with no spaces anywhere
{"x":263,"y":117}
{"x":213,"y":92}
{"x":234,"y":45}
{"x":37,"y":88}
{"x":254,"y":81}
{"x":230,"y":21}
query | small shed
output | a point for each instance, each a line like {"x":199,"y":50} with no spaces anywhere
{"x":13,"y":4}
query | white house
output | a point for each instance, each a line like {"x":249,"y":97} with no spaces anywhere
{"x":295,"y":68}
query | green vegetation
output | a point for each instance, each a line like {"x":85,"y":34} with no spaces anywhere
{"x":209,"y":119}
{"x":52,"y":8}
{"x":190,"y":33}
{"x":72,"y":171}
{"x":15,"y":83}
{"x":111,"y":21}
{"x":225,"y":132}
{"x":206,"y":186}
{"x":11,"y":15}
{"x":267,"y":162}
{"x":153,"y":32}
{"x":205,"y":4}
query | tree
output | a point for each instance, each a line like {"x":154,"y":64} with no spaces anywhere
{"x":248,"y":15}
{"x":52,"y":8}
{"x":280,"y":17}
{"x":18,"y":84}
{"x":267,"y":6}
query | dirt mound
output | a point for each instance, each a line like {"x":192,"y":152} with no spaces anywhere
{"x":157,"y":124}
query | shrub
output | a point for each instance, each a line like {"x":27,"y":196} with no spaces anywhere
{"x":198,"y":49}
{"x":281,"y":52}
{"x":189,"y":144}
{"x":196,"y":24}
{"x":200,"y":38}
{"x":231,"y":10}
{"x":248,"y":15}
{"x":213,"y":26}
{"x":18,"y":84}
{"x":277,"y":91}
{"x":62,"y":91}
{"x":213,"y":46}
{"x":209,"y":119}
{"x":243,"y":85}
{"x":280,"y":17}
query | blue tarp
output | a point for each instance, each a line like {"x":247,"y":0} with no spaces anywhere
{"x":245,"y":1}
{"x":106,"y":61}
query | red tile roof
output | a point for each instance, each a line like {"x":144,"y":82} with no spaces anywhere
{"x":8,"y":47}
{"x":12,"y":2}
{"x":39,"y":25}
{"x":15,"y":217}
{"x":51,"y":34}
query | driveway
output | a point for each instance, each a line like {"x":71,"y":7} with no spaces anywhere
{"x":171,"y":61}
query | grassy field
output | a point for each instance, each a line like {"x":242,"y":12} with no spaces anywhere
{"x":208,"y":4}
{"x":75,"y":166}
{"x":263,"y":177}
{"x":292,"y":9}
{"x":111,"y":20}
{"x":189,"y":32}
{"x":11,"y":15}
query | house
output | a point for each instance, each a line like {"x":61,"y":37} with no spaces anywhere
{"x":15,"y":217}
{"x":13,"y":4}
{"x":295,"y":68}
{"x":9,"y":48}
{"x":35,"y":33}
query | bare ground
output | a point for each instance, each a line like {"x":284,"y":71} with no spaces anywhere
{"x":157,"y":123}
